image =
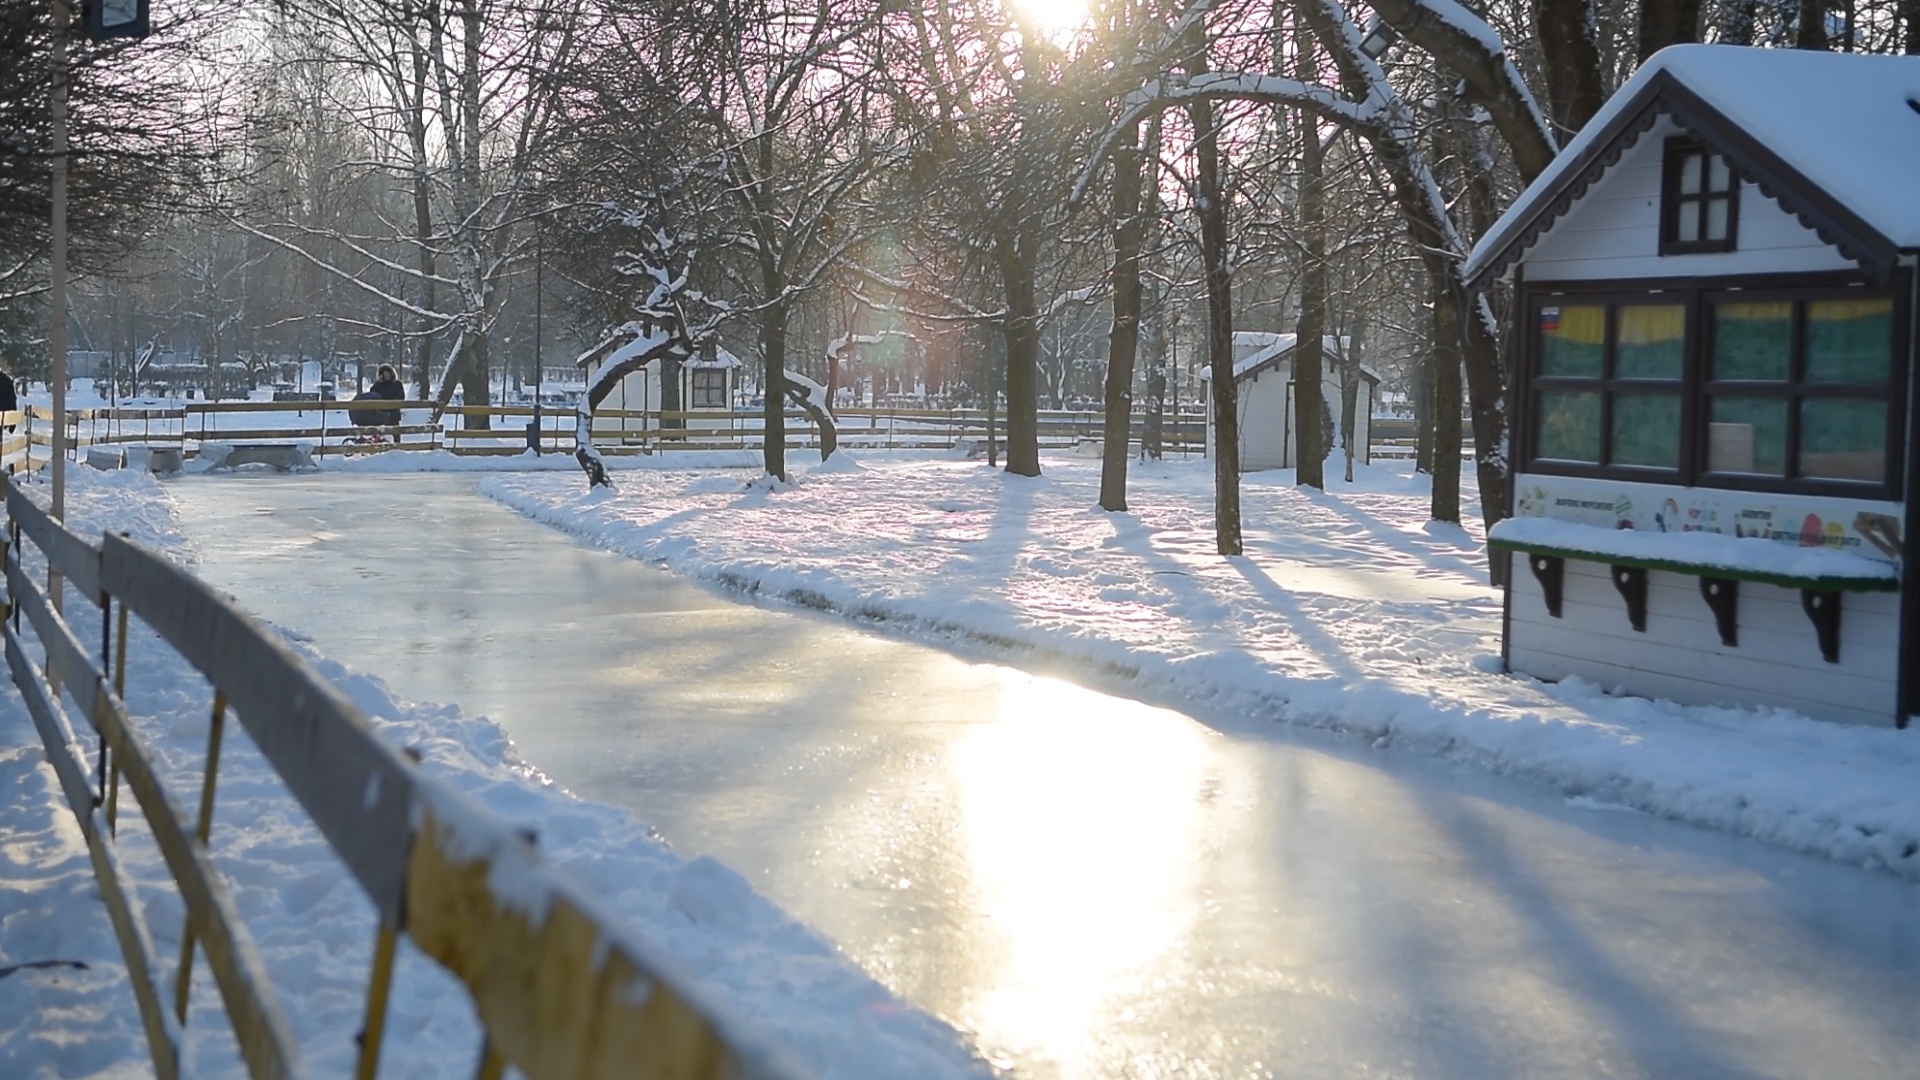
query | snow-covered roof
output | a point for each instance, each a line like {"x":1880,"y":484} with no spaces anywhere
{"x":721,"y":359}
{"x":1833,"y":137}
{"x":1257,"y":350}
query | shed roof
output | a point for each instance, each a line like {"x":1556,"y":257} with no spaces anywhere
{"x":1260,"y":349}
{"x":1833,"y":137}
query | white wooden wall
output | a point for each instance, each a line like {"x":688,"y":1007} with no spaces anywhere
{"x":1614,"y":231}
{"x":1680,"y":657}
{"x":1266,"y":422}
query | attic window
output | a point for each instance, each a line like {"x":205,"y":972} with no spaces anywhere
{"x":1700,"y":203}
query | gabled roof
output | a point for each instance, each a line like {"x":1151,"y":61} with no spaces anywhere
{"x":1833,"y":137}
{"x":1263,"y":350}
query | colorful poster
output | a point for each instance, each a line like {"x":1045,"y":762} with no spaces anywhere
{"x":1864,"y":527}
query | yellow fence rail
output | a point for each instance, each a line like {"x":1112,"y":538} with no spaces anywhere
{"x":560,"y":990}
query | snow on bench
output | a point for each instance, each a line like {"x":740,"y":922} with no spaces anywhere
{"x":1749,"y":558}
{"x":283,"y":456}
{"x":1720,"y":562}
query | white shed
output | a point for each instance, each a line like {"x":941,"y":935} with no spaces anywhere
{"x":1263,"y":375}
{"x":706,"y":386}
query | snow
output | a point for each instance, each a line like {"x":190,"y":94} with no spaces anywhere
{"x":1735,"y":554}
{"x":1843,"y":120}
{"x":419,"y":461}
{"x":314,"y":927}
{"x":816,"y":394}
{"x":1349,"y":611}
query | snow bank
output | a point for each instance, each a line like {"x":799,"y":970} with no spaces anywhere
{"x":315,"y":929}
{"x":1347,"y":612}
{"x":418,"y":461}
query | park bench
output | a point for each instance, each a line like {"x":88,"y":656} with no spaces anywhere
{"x":159,"y":459}
{"x":283,"y":456}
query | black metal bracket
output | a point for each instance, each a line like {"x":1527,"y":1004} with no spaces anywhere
{"x":1551,"y":571}
{"x":1632,"y":583}
{"x":1723,"y":596}
{"x":1824,"y":609}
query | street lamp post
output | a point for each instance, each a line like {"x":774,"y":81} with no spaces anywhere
{"x":104,"y":19}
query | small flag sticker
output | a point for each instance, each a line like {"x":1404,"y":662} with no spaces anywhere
{"x":1549,"y":320}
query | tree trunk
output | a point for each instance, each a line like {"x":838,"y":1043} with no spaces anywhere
{"x":422,"y":222}
{"x":1447,"y":331}
{"x":1811,"y":30}
{"x":670,"y":400}
{"x":773,"y":397}
{"x":1487,"y":398}
{"x":1309,"y":400}
{"x":1422,"y":393}
{"x":1153,"y":440}
{"x":1022,"y":332}
{"x":474,"y":383}
{"x":1123,"y":339}
{"x":1210,"y":207}
{"x":1574,"y":88}
{"x":1671,"y":22}
{"x":1737,"y":21}
{"x":1350,"y":364}
{"x":1910,"y":12}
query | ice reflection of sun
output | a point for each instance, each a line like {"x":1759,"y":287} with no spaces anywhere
{"x":1053,"y":17}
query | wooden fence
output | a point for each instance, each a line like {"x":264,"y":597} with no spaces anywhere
{"x":325,"y":428}
{"x":559,"y":989}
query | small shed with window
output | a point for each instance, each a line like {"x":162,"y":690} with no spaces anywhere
{"x":1264,"y":389}
{"x":1712,"y":389}
{"x":706,"y":384}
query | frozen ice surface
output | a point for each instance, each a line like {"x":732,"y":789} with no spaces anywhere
{"x":1091,"y":886}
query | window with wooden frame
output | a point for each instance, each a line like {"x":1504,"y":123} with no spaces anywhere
{"x":709,"y":388}
{"x":1758,"y":388}
{"x":1700,"y":200}
{"x":1799,"y":387}
{"x":1607,"y":392}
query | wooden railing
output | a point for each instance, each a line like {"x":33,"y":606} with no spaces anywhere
{"x":326,"y":428}
{"x":559,"y":989}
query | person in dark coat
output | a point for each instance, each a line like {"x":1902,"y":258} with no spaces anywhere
{"x":9,"y":396}
{"x":386,"y":387}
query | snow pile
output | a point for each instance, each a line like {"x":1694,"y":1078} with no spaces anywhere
{"x":315,"y":928}
{"x":1347,"y":612}
{"x":1748,"y":555}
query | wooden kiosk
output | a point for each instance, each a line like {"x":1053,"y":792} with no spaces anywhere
{"x":1713,"y":435}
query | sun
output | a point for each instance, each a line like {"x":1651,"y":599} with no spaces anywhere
{"x":1053,"y":17}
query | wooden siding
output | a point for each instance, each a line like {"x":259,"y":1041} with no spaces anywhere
{"x":1680,"y":656}
{"x":1614,"y":231}
{"x":1266,"y":420}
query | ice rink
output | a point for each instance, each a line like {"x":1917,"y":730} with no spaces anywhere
{"x":1093,"y":886}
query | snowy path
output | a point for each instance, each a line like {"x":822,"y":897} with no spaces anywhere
{"x":1096,"y":888}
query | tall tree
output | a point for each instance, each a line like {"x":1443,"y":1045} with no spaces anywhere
{"x":1123,"y":339}
{"x":1210,"y":207}
{"x":1670,"y":22}
{"x":1575,"y":90}
{"x":1310,"y":449}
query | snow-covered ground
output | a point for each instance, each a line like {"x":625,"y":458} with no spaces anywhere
{"x":1349,"y":611}
{"x":315,"y":929}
